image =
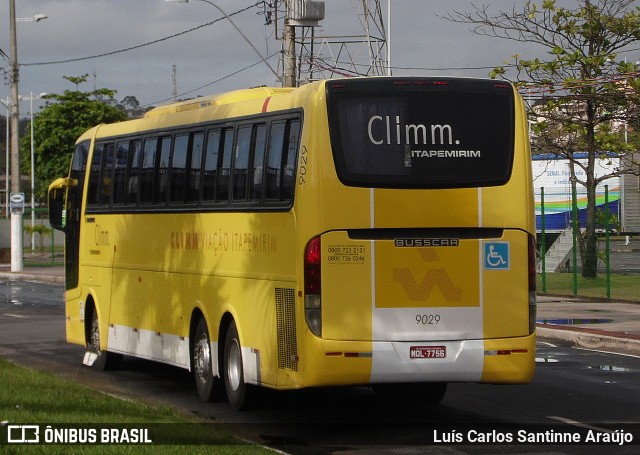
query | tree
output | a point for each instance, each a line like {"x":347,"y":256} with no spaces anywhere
{"x":58,"y":125}
{"x":586,"y":90}
{"x":131,"y":106}
{"x":130,"y":103}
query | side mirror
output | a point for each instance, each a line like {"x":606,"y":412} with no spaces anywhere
{"x":57,"y":204}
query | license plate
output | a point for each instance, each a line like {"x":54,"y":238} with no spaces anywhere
{"x":427,"y":352}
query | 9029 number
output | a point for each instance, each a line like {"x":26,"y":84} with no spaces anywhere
{"x":427,"y":319}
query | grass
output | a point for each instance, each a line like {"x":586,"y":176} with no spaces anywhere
{"x":623,"y":287}
{"x":32,"y":397}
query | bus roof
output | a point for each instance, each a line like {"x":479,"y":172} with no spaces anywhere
{"x":218,"y":100}
{"x":202,"y":102}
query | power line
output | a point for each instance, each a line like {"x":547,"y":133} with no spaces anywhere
{"x":208,"y":84}
{"x":524,"y":87}
{"x":418,"y":68}
{"x":324,"y":65}
{"x":561,"y":86}
{"x":138,"y":46}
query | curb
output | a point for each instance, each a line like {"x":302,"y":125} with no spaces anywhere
{"x":33,"y":277}
{"x":594,"y":340}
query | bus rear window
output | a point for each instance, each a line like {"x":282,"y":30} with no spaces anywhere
{"x":425,"y":133}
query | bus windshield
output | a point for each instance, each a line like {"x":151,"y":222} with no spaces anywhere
{"x":424,"y":133}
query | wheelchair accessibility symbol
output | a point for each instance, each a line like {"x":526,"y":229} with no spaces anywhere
{"x":496,"y":256}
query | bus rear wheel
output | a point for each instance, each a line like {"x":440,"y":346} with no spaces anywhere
{"x":238,"y":392}
{"x":201,"y":363}
{"x":95,"y":357}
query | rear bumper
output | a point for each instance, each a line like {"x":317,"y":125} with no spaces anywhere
{"x":497,"y":361}
{"x":508,"y":361}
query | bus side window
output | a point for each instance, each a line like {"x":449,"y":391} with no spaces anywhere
{"x":162,"y":180}
{"x":106,"y":180}
{"x":241,"y":163}
{"x":135,"y":151}
{"x":78,"y":172}
{"x":222,"y":184}
{"x":289,"y":171}
{"x":147,"y":171}
{"x":94,"y":175}
{"x":211,"y":162}
{"x":178,"y":167}
{"x":120,"y":178}
{"x":274,"y":161}
{"x":195,"y":170}
{"x":257,"y":178}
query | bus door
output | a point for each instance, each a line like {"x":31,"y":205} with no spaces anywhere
{"x":65,"y":202}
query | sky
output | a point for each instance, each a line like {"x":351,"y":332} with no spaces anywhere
{"x":209,"y":60}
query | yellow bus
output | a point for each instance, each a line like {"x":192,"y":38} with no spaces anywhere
{"x":365,"y":231}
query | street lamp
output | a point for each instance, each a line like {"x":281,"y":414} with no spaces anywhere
{"x":264,"y":60}
{"x":35,"y":18}
{"x":32,"y":97}
{"x":16,"y":218}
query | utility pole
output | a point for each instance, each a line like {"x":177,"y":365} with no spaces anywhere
{"x":16,"y":197}
{"x":290,"y":79}
{"x":303,"y":14}
{"x":16,"y":217}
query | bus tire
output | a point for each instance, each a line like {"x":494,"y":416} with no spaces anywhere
{"x":430,"y":393}
{"x":104,"y":360}
{"x":201,"y":364}
{"x":238,"y":392}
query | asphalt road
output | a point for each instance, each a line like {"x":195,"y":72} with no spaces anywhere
{"x":576,"y":389}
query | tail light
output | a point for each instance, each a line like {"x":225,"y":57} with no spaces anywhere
{"x":532,"y":283}
{"x":313,"y":286}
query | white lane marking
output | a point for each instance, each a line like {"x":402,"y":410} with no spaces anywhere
{"x":575,"y":423}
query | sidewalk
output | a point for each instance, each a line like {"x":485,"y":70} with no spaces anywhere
{"x":591,"y":324}
{"x":44,"y":274}
{"x":588,"y":323}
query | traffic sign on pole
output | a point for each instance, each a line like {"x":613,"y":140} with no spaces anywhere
{"x":16,"y":203}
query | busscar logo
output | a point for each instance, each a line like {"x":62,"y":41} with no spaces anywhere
{"x":420,"y":290}
{"x":422,"y":242}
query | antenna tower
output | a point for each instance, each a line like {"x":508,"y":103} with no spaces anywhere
{"x":320,"y":55}
{"x":174,"y":81}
